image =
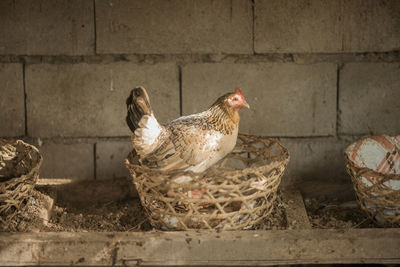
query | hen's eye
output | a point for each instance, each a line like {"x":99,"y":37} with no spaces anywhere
{"x":235,"y":99}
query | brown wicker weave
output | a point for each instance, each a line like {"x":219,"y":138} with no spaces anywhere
{"x":374,"y":194}
{"x":19,"y":171}
{"x":236,"y":194}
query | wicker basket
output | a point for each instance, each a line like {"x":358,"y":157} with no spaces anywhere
{"x":19,"y":171}
{"x":235,"y":194}
{"x":374,"y":166}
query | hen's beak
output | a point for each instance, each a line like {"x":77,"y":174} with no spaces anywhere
{"x":246,"y":105}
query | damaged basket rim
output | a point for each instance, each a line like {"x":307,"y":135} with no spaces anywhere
{"x":364,"y":170}
{"x":285,"y":157}
{"x":33,"y":169}
{"x":15,"y":189}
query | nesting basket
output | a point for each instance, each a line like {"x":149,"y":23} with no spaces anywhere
{"x":373,"y":164}
{"x":237,"y":193}
{"x":19,"y":171}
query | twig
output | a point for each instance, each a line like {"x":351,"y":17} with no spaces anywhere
{"x":358,"y":224}
{"x":137,"y":226}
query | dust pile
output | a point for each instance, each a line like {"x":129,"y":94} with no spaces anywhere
{"x":122,"y":215}
{"x":331,"y":213}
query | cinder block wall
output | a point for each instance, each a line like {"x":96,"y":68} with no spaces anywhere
{"x":317,"y":74}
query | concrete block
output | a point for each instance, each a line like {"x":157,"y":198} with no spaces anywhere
{"x":89,"y":99}
{"x":158,"y":26}
{"x":47,"y":27}
{"x":12,"y":111}
{"x":110,"y":159}
{"x":296,"y":26}
{"x":317,"y":158}
{"x":73,"y":161}
{"x":369,"y":98}
{"x":285,"y":99}
{"x":326,"y":26}
{"x":370,"y":26}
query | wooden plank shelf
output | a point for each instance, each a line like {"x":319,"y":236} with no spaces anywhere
{"x":201,"y":248}
{"x":298,"y":245}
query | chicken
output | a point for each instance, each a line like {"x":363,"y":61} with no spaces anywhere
{"x":189,"y":143}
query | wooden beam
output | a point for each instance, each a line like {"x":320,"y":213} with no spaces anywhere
{"x":201,"y":248}
{"x":296,"y":214}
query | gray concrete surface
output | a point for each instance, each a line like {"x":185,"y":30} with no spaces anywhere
{"x":89,"y":99}
{"x":285,"y":99}
{"x":158,"y":26}
{"x":62,"y":27}
{"x":12,"y":110}
{"x":369,"y":99}
{"x":326,"y":26}
{"x":110,"y":159}
{"x":321,"y":158}
{"x":67,"y":160}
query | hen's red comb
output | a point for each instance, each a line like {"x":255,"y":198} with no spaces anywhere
{"x":238,"y":91}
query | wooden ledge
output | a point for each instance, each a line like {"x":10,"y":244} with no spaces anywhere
{"x":201,"y":248}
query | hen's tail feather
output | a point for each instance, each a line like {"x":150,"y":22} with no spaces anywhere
{"x":138,"y":105}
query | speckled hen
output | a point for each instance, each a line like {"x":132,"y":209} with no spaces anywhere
{"x":190,"y":143}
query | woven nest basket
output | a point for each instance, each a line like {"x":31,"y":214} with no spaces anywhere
{"x":373,"y":164}
{"x":238,"y":193}
{"x":19,"y":171}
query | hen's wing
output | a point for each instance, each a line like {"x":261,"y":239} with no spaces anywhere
{"x":187,"y":145}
